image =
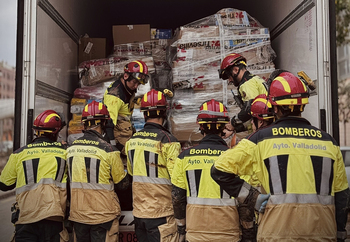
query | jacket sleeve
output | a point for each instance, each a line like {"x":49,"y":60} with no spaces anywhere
{"x":231,"y":183}
{"x":179,"y":192}
{"x":8,"y":175}
{"x":244,"y":115}
{"x":232,"y":164}
{"x":113,"y":104}
{"x":171,"y":151}
{"x":179,"y":202}
{"x":124,"y":183}
{"x":118,"y":172}
{"x":342,"y":209}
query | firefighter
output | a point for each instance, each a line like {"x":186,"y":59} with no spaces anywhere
{"x":201,"y":208}
{"x":300,"y":167}
{"x":233,"y":69}
{"x":151,"y":153}
{"x":262,"y":113}
{"x":39,"y":173}
{"x":262,"y":116}
{"x":119,"y":99}
{"x":95,"y":171}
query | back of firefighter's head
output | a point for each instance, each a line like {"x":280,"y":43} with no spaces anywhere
{"x":48,"y":123}
{"x":154,"y":105}
{"x":288,"y":94}
{"x":262,"y":112}
{"x":232,"y":68}
{"x":212,"y":117}
{"x":135,"y":73}
{"x":94,"y":116}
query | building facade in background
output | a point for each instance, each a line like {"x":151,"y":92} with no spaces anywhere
{"x":7,"y":96}
{"x":343,"y":56}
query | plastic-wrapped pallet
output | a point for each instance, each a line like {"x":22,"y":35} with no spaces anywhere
{"x":102,"y":70}
{"x":154,"y":48}
{"x":82,"y":96}
{"x":200,"y":47}
{"x":161,"y":76}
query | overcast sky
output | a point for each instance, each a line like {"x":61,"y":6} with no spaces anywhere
{"x":8,"y":26}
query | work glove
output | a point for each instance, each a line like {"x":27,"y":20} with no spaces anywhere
{"x":237,"y":125}
{"x":182,"y":233}
{"x":261,"y":202}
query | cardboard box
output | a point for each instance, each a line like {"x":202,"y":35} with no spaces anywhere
{"x":124,"y":34}
{"x":92,"y":48}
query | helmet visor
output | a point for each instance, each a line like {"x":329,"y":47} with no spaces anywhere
{"x":142,"y":78}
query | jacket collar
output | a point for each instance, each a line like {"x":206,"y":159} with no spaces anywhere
{"x":210,"y":138}
{"x":246,"y":76}
{"x":151,"y":125}
{"x":293,"y":119}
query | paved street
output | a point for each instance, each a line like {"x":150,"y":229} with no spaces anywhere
{"x":6,"y":227}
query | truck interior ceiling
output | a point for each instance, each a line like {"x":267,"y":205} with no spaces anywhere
{"x":96,"y":18}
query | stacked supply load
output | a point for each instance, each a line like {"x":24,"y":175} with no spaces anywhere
{"x":200,"y":48}
{"x":97,"y":74}
{"x":155,"y":49}
{"x":83,"y":96}
{"x":93,"y":72}
{"x":160,"y":70}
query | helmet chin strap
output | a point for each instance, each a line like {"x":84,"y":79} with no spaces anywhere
{"x":235,"y":76}
{"x":126,"y":86}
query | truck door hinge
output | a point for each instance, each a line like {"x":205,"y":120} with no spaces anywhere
{"x":26,"y":67}
{"x":326,"y":68}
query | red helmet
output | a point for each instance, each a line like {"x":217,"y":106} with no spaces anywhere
{"x":230,"y":60}
{"x":261,"y":108}
{"x":48,"y":121}
{"x":153,"y":100}
{"x":287,"y":89}
{"x":94,"y":111}
{"x":212,"y":112}
{"x":139,"y":70}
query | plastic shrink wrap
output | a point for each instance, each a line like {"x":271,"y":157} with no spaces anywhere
{"x":96,"y":75}
{"x":197,"y":51}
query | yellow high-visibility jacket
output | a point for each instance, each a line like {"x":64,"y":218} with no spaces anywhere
{"x":301,"y":167}
{"x":95,"y":167}
{"x":39,"y":172}
{"x":151,"y":153}
{"x":119,"y":101}
{"x":250,"y":87}
{"x":211,"y":213}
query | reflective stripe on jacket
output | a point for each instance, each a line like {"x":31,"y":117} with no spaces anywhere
{"x":94,"y":167}
{"x":39,"y":171}
{"x":151,"y":154}
{"x":211,"y":214}
{"x":301,"y":167}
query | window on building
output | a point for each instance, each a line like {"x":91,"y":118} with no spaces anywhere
{"x":341,"y":52}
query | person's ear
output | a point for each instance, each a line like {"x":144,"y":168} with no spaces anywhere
{"x":126,"y":76}
{"x":260,"y":122}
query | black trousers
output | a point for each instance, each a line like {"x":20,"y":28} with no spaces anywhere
{"x":146,"y":229}
{"x":91,"y":233}
{"x":42,"y":231}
